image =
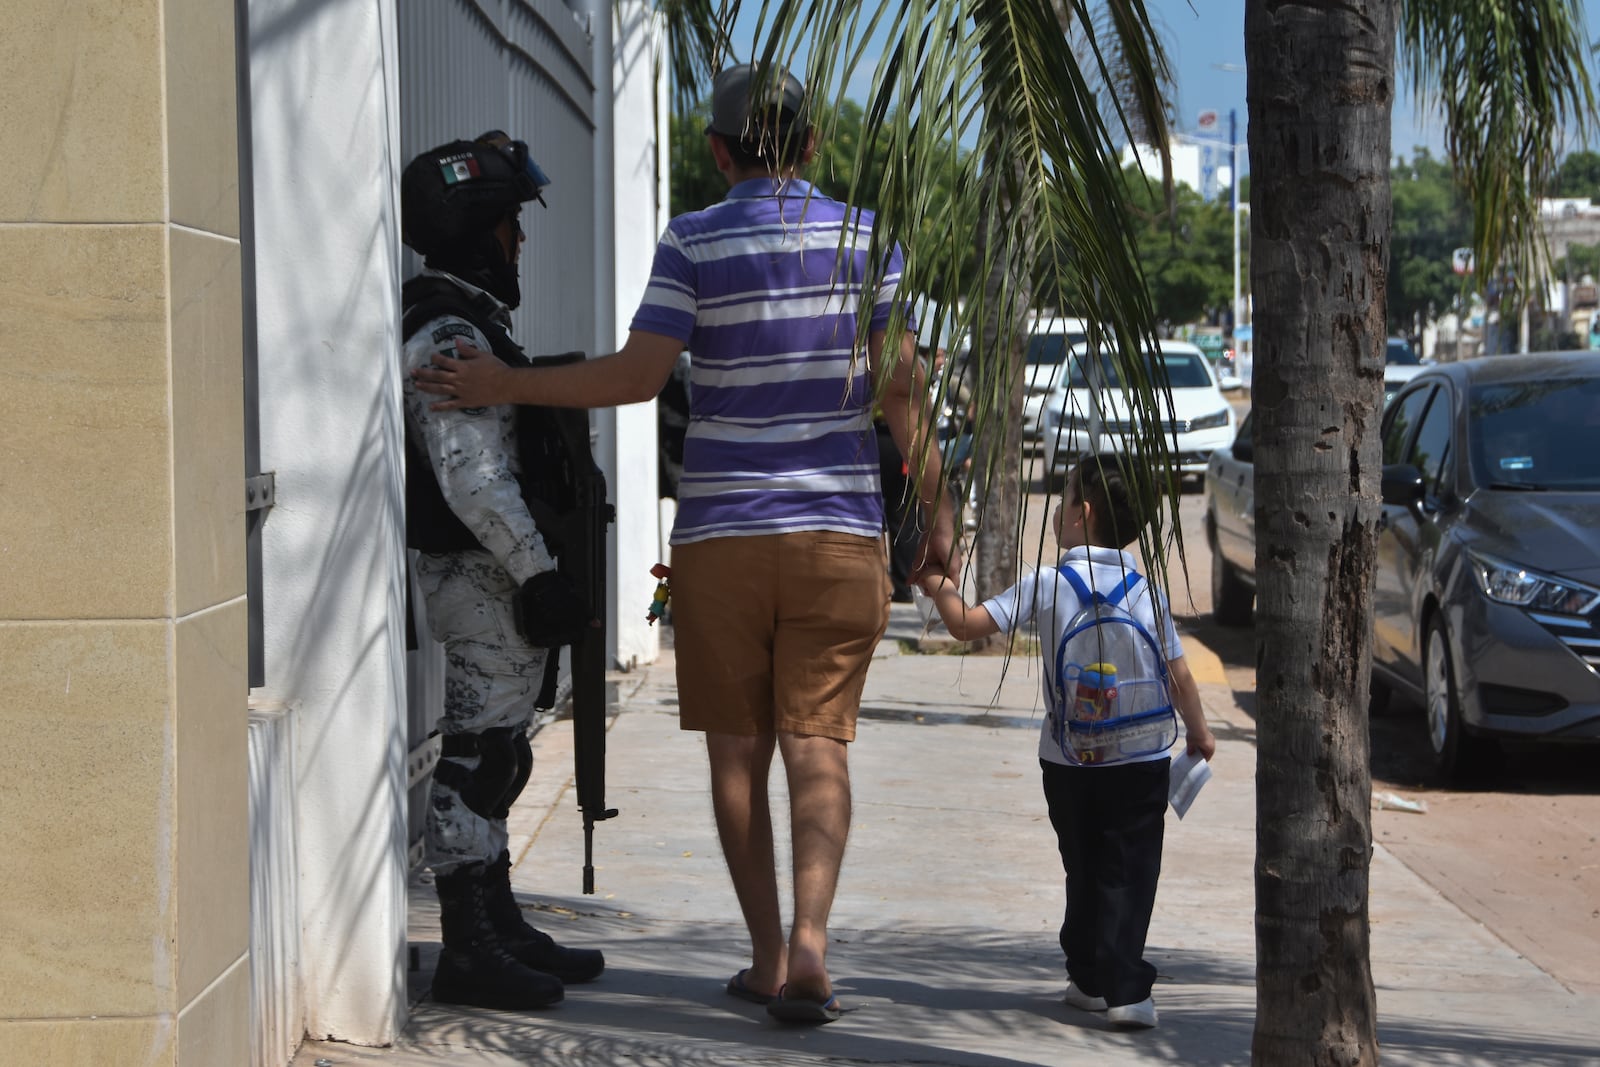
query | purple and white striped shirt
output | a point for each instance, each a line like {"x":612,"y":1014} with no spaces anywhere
{"x":780,"y":424}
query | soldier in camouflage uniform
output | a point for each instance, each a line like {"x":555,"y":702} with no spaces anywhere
{"x":495,"y":598}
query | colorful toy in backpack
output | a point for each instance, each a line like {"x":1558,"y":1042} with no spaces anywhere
{"x":1096,"y":694}
{"x":663,"y":593}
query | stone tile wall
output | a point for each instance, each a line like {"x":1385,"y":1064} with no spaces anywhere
{"x":123,"y":820}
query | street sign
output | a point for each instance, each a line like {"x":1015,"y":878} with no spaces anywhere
{"x":1243,"y":333}
{"x":1207,"y":122}
{"x":1208,"y":172}
{"x":1461,"y":261}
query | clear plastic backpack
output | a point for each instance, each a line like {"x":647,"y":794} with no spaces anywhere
{"x":1110,"y":699}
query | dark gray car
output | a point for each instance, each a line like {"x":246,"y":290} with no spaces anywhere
{"x":1487,"y":600}
{"x":1231,"y":528}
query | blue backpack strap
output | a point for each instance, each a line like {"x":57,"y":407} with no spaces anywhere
{"x":1077,"y":583}
{"x":1126,"y":587}
{"x":1086,"y":597}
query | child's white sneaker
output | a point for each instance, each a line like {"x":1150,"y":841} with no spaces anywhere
{"x":1077,"y":998}
{"x":1140,"y":1016}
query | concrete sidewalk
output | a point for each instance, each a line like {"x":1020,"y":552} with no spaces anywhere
{"x":946,"y":918}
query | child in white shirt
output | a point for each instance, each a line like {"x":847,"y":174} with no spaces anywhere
{"x":1109,"y":819}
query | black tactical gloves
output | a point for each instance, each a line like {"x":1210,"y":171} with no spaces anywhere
{"x":550,"y":610}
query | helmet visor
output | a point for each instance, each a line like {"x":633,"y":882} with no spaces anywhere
{"x":530,"y":178}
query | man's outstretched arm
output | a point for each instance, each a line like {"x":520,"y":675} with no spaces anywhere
{"x":476,"y":379}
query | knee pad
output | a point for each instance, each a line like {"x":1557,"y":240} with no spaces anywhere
{"x":483,"y":787}
{"x":522,"y":750}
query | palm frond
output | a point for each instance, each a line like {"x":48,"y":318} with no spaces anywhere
{"x":698,"y":45}
{"x":1007,"y":107}
{"x":1509,"y":76}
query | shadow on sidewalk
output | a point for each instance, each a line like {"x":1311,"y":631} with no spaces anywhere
{"x":952,"y":995}
{"x":956,"y":995}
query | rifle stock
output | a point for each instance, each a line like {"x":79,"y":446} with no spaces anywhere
{"x":583,"y":556}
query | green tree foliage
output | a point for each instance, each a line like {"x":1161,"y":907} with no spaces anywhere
{"x":838,"y":149}
{"x":696,"y":183}
{"x":1579,"y":260}
{"x":1579,"y":175}
{"x":1186,"y":252}
{"x":1431,"y":220}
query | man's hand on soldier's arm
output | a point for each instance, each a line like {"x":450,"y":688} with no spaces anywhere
{"x":472,"y":379}
{"x":476,"y":379}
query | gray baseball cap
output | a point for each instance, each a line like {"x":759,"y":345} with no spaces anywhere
{"x":733,"y":101}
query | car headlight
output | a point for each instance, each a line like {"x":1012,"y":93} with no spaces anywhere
{"x":1210,"y":422}
{"x":1510,"y":583}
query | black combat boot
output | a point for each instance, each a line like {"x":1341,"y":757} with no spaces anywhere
{"x":533,"y":948}
{"x":475,"y":967}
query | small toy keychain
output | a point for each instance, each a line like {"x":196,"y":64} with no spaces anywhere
{"x":658,"y":602}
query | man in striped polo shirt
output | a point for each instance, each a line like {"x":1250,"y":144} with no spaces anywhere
{"x":780,"y":591}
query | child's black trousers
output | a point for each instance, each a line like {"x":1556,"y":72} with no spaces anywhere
{"x":1110,"y":823}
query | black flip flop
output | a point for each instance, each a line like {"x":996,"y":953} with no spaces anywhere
{"x":737,"y":988}
{"x":804,"y":1009}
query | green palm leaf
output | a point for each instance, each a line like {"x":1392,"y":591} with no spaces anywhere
{"x":1511,"y":78}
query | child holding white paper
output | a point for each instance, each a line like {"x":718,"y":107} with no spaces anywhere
{"x":1109,"y":820}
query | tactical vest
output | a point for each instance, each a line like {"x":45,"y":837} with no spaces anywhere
{"x":547,"y":446}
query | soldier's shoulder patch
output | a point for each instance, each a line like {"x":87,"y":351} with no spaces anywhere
{"x":452,"y":328}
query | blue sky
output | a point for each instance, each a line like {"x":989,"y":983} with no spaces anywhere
{"x":1206,"y":33}
{"x":1205,"y":45}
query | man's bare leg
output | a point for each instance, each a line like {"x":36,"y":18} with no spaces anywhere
{"x":739,"y":769}
{"x":818,"y":771}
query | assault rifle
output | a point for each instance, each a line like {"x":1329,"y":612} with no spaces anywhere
{"x":583,"y":559}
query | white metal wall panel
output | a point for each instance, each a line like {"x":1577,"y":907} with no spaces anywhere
{"x":522,"y":66}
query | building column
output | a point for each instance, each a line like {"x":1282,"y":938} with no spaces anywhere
{"x":124,"y":819}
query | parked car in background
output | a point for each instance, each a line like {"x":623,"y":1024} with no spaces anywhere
{"x":1231,"y":502}
{"x":1223,"y":357}
{"x":1400,"y":365}
{"x":1081,"y":416}
{"x":1486,"y":605}
{"x":1230,"y":527}
{"x":1050,"y":340}
{"x":1487,"y":600}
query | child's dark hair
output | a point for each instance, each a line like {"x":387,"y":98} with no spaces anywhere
{"x":1116,"y":516}
{"x":770,"y":145}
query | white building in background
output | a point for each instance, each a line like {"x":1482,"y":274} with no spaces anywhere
{"x":1202,"y":165}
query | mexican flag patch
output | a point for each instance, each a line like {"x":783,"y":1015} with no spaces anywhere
{"x":459,"y":169}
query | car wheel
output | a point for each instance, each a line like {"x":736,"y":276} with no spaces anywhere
{"x":1232,"y":601}
{"x":1456,"y":753}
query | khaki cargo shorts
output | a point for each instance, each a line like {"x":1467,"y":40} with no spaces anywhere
{"x":774,"y":633}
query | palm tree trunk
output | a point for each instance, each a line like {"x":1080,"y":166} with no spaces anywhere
{"x":997,"y":460}
{"x":1321,"y":83}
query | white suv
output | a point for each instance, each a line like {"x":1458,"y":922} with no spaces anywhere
{"x":1201,"y":418}
{"x":1050,"y":338}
